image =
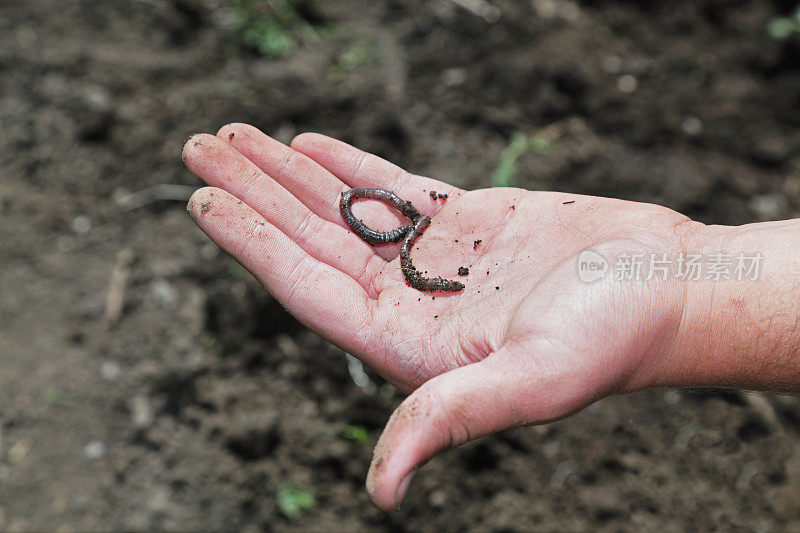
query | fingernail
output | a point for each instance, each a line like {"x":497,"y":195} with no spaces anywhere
{"x":183,"y":146}
{"x":402,"y":488}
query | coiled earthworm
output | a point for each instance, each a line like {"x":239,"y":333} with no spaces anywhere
{"x":407,"y":234}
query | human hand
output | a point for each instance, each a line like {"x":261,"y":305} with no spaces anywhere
{"x":526,"y":342}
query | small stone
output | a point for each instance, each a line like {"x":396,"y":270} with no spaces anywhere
{"x":110,"y":370}
{"x":97,"y":97}
{"x":164,"y":292}
{"x":463,"y":271}
{"x":692,"y":126}
{"x":627,"y":83}
{"x":18,"y":451}
{"x":768,"y":206}
{"x":684,"y":436}
{"x":672,"y":397}
{"x":437,"y":498}
{"x":81,"y":224}
{"x":454,"y":77}
{"x":562,"y":472}
{"x":748,"y":472}
{"x":141,"y":412}
{"x":94,"y":450}
{"x":433,"y":194}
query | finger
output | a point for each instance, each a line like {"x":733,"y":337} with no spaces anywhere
{"x":309,"y":182}
{"x":357,"y":168}
{"x":321,"y":297}
{"x":219,"y":165}
{"x":312,"y":184}
{"x":499,"y":392}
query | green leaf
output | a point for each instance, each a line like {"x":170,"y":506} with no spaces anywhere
{"x":357,"y":434}
{"x":273,"y":28}
{"x":357,"y":54}
{"x":293,"y":501}
{"x":539,"y":145}
{"x":782,"y":28}
{"x":268,"y":38}
{"x":505,"y":172}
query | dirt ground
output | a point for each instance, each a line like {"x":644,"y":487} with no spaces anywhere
{"x":200,"y":401}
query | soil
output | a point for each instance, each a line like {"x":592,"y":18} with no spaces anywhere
{"x":189,"y":402}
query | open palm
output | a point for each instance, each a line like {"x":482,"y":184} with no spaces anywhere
{"x":525,"y":342}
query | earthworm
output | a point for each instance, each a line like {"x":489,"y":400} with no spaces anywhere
{"x":407,"y":234}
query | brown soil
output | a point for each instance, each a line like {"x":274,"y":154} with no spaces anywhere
{"x":203,"y":398}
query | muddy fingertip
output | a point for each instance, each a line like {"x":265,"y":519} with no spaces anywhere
{"x":200,"y":202}
{"x":192,"y":141}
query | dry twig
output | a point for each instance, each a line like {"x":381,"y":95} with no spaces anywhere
{"x":481,"y":8}
{"x":163,"y":191}
{"x":115,"y":297}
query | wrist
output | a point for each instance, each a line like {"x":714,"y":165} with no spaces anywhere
{"x":739,"y":324}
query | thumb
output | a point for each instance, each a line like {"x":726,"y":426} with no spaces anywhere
{"x":509,"y":388}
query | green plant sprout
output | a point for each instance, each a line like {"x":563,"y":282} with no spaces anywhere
{"x":784,"y":27}
{"x":293,"y":501}
{"x":505,"y":173}
{"x":357,"y":434}
{"x":358,"y":53}
{"x":272,"y":28}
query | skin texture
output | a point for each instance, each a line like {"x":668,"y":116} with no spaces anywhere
{"x":526,"y":342}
